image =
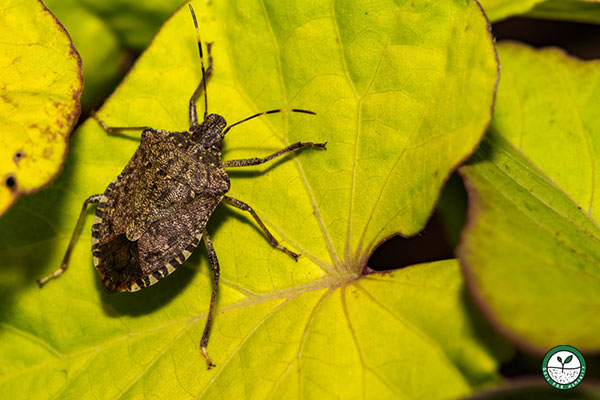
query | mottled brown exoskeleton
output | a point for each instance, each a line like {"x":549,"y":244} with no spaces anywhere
{"x":154,"y":214}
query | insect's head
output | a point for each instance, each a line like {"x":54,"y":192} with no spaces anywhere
{"x":209,"y":134}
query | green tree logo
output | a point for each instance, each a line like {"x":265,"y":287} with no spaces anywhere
{"x":563,"y":367}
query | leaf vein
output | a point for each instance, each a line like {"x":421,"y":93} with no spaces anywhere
{"x":414,"y":329}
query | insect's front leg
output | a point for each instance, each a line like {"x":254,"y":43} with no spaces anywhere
{"x":201,"y":85}
{"x":256,"y":161}
{"x":117,"y":129}
{"x":243,"y":206}
{"x":214,"y":266}
{"x":65,"y":263}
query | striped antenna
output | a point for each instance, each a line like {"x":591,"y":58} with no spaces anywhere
{"x":201,"y":59}
{"x":268,"y":112}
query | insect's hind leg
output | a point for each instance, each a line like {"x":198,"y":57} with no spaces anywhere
{"x":243,"y":206}
{"x":65,"y":262}
{"x":256,"y":161}
{"x":214,"y":266}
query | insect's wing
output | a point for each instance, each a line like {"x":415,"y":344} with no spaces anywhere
{"x":110,"y":248}
{"x":170,"y":241}
{"x":114,"y":209}
{"x":126,"y":265}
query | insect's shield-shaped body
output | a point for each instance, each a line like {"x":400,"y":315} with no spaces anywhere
{"x":152,"y":216}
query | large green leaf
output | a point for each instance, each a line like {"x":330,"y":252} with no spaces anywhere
{"x":532,"y":245}
{"x":402,"y":93}
{"x":40,"y":85}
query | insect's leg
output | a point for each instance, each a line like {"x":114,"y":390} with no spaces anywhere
{"x":193,"y":114}
{"x":65,"y":262}
{"x":205,"y":75}
{"x":115,"y":129}
{"x":214,"y":266}
{"x":243,"y":206}
{"x":255,"y":161}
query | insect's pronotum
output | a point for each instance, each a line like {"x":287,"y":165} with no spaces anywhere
{"x":154,"y":214}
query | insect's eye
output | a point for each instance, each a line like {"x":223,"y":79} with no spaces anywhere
{"x":206,"y":146}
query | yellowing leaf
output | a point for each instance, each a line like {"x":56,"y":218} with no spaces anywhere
{"x":532,"y":246}
{"x":40,"y":85}
{"x":402,"y":94}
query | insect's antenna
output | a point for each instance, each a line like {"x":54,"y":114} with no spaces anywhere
{"x":268,"y":112}
{"x":201,"y":60}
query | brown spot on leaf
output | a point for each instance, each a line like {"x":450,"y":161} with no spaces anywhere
{"x":17,"y":156}
{"x":8,"y":100}
{"x":47,"y":152}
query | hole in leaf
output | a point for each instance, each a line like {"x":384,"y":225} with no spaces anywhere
{"x":11,"y":182}
{"x":398,"y":252}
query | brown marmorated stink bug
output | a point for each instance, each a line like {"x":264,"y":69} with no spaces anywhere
{"x":154,"y":214}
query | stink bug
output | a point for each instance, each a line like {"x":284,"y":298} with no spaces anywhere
{"x":154,"y":214}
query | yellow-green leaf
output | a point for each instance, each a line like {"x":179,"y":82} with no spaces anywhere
{"x":402,"y":94}
{"x":499,"y":9}
{"x":532,"y":246}
{"x":587,"y":11}
{"x":40,"y":84}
